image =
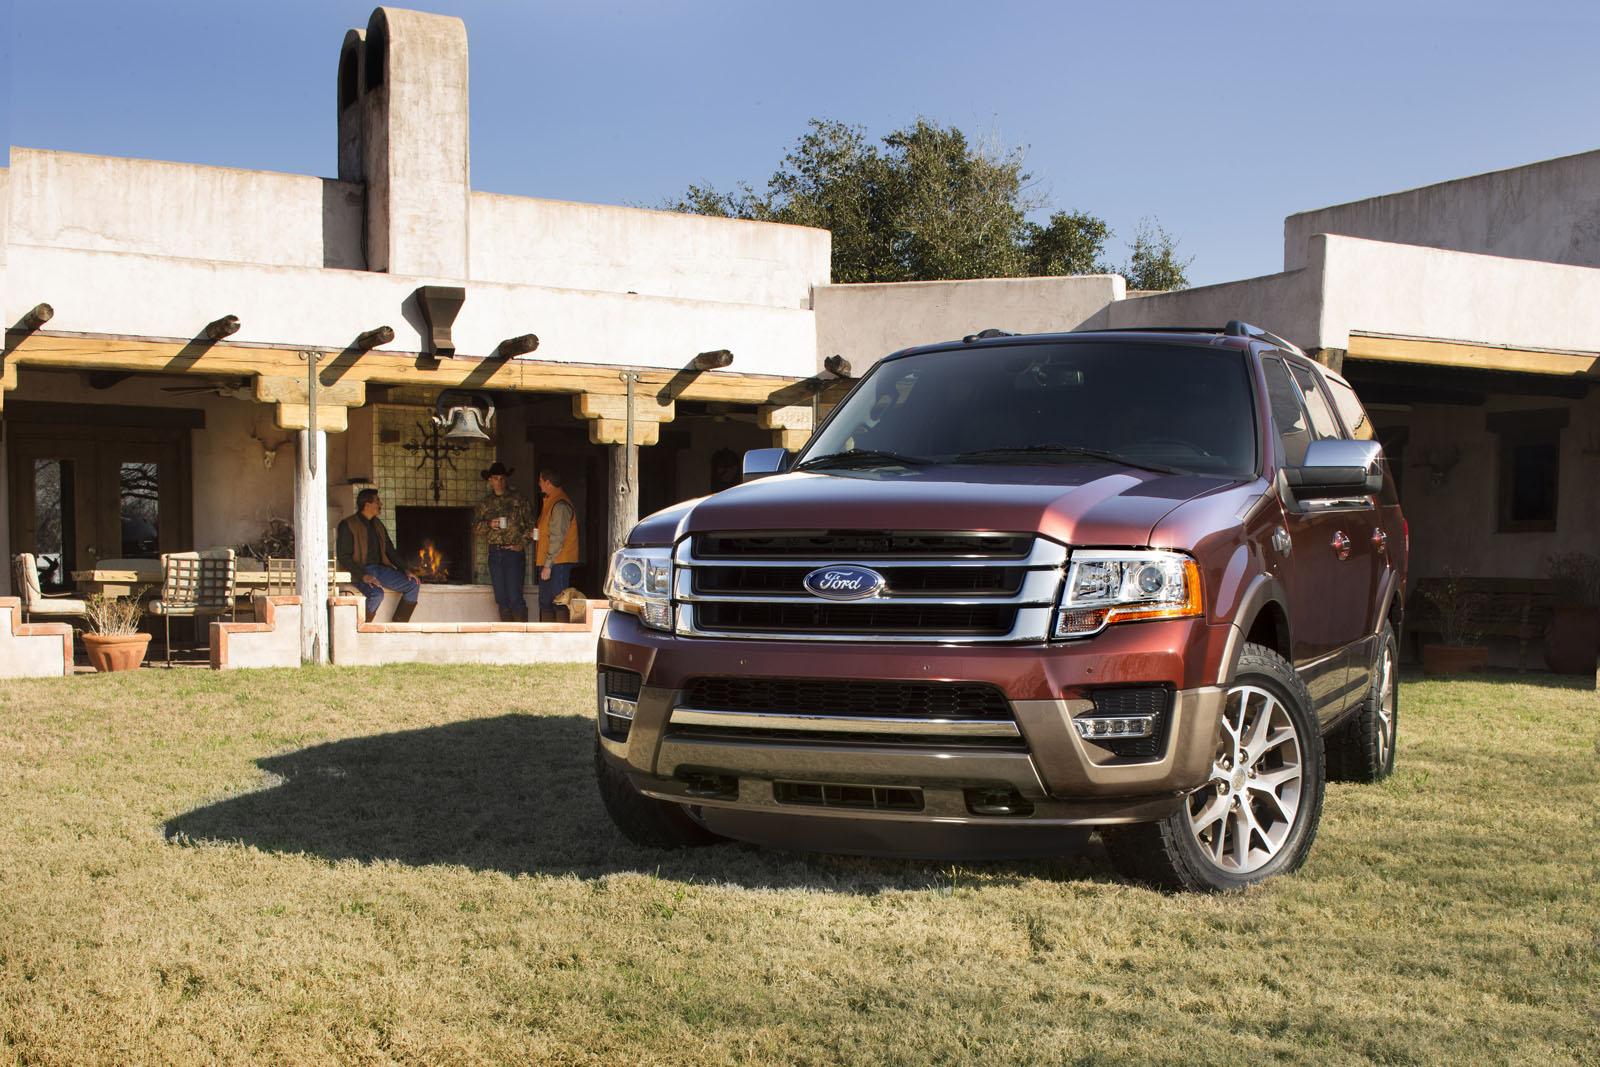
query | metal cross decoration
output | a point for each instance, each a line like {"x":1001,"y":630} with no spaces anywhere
{"x":434,"y":447}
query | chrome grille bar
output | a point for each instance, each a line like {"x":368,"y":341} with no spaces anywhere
{"x":844,"y":724}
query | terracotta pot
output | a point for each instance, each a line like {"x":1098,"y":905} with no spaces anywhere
{"x":1572,"y":641}
{"x":1453,"y":659}
{"x":115,"y":652}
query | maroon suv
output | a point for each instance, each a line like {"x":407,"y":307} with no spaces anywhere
{"x":1142,"y":581}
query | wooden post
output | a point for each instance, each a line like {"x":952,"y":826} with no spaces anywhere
{"x":624,"y":497}
{"x":311,"y":542}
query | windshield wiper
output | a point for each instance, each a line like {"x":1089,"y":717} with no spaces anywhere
{"x":860,"y":457}
{"x":1065,"y":450}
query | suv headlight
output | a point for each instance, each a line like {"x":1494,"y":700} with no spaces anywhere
{"x":640,"y":583}
{"x":1106,"y":586}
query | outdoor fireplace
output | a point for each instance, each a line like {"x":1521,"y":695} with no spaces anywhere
{"x":435,"y":542}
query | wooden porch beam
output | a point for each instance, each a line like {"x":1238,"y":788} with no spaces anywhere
{"x":230,"y":359}
{"x":1474,"y":357}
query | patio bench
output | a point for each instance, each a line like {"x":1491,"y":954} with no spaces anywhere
{"x":1518,"y":608}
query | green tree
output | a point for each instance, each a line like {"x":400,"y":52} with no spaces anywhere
{"x":925,"y":203}
{"x":1155,"y":263}
{"x":1072,"y":242}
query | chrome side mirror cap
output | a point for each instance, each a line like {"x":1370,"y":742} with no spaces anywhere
{"x":760,"y":462}
{"x":1337,"y":468}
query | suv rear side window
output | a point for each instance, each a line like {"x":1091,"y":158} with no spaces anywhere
{"x":1294,"y":429}
{"x":1350,"y":410}
{"x":1323,"y":423}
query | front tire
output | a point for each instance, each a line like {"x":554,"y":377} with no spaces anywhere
{"x":1257,"y":816}
{"x":645,"y":820}
{"x":1363,"y":749}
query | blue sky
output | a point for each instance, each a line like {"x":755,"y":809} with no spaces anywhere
{"x":1219,"y":119}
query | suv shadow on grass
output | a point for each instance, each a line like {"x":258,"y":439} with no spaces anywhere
{"x":516,"y":794}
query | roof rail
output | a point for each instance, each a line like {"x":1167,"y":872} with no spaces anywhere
{"x":1237,"y":328}
{"x":984,"y":335}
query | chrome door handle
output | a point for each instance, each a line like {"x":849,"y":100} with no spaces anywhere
{"x":1380,"y":540}
{"x":1341,"y":545}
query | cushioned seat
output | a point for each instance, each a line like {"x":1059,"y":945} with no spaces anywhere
{"x":35,"y":602}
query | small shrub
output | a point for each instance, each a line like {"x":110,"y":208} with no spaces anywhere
{"x":1459,"y":609}
{"x":1578,"y":570}
{"x":114,"y":615}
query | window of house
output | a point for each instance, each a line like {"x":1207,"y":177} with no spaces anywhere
{"x":1529,"y":468}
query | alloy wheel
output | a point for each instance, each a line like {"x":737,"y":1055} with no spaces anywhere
{"x":1244,"y":815}
{"x":1385,"y":709}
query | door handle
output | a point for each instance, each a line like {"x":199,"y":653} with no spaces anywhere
{"x":1341,"y":545}
{"x":1380,"y":540}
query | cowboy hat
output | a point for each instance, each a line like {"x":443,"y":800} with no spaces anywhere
{"x":497,"y":468}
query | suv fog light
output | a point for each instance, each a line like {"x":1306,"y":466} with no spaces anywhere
{"x":620,"y":708}
{"x":1091,"y":728}
{"x":998,"y":800}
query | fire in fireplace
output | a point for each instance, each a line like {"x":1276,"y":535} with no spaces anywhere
{"x":436,"y":542}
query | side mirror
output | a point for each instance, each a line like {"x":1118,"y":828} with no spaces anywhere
{"x":1336,"y":468}
{"x":760,"y":462}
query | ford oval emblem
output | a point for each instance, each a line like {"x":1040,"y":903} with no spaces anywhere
{"x":844,"y":582}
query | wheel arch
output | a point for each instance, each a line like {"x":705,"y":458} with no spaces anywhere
{"x":1262,"y":619}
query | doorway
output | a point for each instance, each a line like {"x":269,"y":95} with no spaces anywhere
{"x":81,"y":493}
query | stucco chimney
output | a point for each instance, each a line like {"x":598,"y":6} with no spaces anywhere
{"x":413,"y":143}
{"x":351,"y":54}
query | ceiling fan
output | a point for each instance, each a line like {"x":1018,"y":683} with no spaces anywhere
{"x":230,"y":389}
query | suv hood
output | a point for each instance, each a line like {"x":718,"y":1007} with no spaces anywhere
{"x":1086,"y":504}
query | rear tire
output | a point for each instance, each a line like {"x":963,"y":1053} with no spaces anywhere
{"x":1257,"y":816}
{"x":1362,"y":750}
{"x":645,"y":820}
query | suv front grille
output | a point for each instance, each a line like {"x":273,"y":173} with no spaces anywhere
{"x":816,"y":696}
{"x":898,"y":581}
{"x":857,"y":619}
{"x":878,"y":544}
{"x":937,"y":587}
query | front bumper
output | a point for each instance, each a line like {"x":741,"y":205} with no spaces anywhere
{"x":1065,"y":780}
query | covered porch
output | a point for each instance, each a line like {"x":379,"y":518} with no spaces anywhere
{"x":115,"y":453}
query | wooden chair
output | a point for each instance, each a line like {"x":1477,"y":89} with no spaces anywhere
{"x":36,"y":602}
{"x":196,"y":584}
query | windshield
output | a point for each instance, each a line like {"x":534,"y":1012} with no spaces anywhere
{"x":1166,"y":407}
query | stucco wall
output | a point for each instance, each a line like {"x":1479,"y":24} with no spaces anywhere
{"x":1375,"y":287}
{"x":1454,"y":526}
{"x":1546,"y":211}
{"x":103,"y":292}
{"x":103,"y":203}
{"x":653,"y":253}
{"x":866,"y":322}
{"x":235,"y":493}
{"x":1286,"y":304}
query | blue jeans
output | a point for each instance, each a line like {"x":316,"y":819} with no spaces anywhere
{"x":388,"y":578}
{"x":507,"y":567}
{"x":560,"y":578}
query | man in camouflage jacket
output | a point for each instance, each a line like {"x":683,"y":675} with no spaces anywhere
{"x":505,"y":518}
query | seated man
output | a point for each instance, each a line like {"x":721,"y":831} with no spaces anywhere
{"x":365,"y":550}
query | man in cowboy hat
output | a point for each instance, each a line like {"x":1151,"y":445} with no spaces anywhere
{"x":505,"y":518}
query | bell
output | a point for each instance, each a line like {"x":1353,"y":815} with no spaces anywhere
{"x":467,"y":422}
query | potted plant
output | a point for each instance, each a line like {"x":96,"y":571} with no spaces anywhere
{"x":113,"y":640}
{"x":1459,"y":607}
{"x":1572,"y":640}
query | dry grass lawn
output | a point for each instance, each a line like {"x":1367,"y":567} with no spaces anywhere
{"x":412,"y":866}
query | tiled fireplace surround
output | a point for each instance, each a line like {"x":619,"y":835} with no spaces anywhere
{"x":405,"y":478}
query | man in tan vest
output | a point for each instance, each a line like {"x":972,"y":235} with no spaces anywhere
{"x":556,"y":550}
{"x":365,"y":550}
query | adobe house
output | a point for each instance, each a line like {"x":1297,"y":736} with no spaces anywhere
{"x":192,"y":352}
